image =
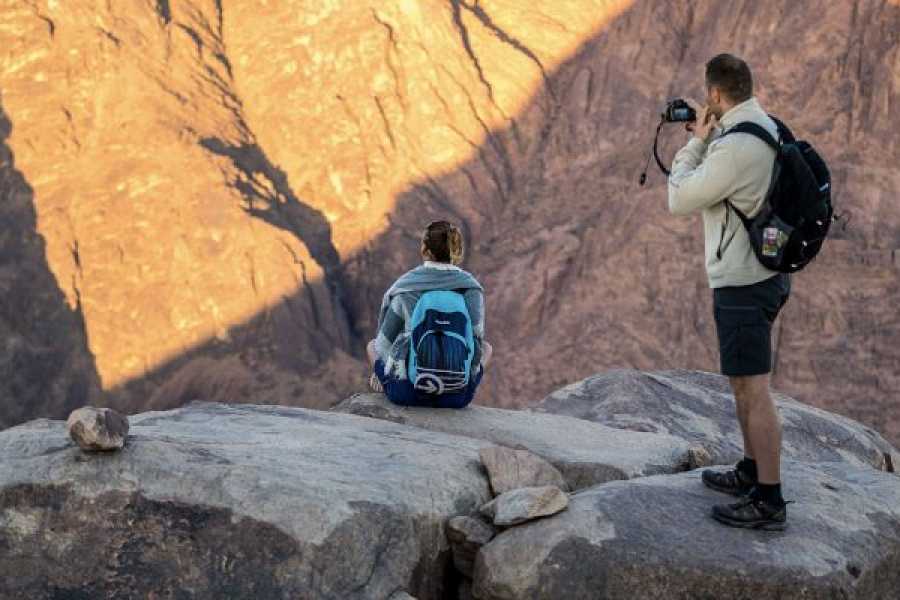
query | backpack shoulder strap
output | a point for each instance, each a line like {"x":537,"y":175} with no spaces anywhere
{"x":757,"y":131}
{"x":784,"y":132}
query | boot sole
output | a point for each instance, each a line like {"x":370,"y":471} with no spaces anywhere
{"x":760,"y":525}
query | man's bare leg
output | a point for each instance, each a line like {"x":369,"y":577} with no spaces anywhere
{"x":742,"y":415}
{"x":760,"y":425}
{"x":764,"y":507}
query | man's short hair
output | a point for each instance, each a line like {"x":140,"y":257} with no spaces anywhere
{"x":731,"y":75}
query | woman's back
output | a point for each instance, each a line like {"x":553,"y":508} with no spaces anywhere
{"x":444,"y":330}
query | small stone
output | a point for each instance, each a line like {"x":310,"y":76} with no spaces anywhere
{"x":401,"y":596}
{"x":511,"y":469}
{"x":698,"y":456}
{"x":525,"y":504}
{"x":466,"y":536}
{"x":97,"y":429}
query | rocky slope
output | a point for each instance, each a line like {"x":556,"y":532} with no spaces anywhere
{"x":215,"y":500}
{"x":223,"y":189}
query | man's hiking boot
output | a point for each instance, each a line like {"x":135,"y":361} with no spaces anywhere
{"x":752,"y":513}
{"x":733,"y":481}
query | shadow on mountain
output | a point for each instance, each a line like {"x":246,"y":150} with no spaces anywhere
{"x":487,"y":195}
{"x":548,"y":201}
{"x":46,"y":367}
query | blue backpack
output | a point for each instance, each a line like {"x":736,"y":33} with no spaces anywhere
{"x":442,"y":345}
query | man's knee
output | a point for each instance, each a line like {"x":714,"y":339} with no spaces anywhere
{"x":751,"y":390}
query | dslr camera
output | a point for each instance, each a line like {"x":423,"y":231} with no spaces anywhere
{"x":678,"y":111}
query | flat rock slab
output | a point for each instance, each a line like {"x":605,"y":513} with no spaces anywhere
{"x":513,"y":468}
{"x":525,"y":504}
{"x":234,"y":501}
{"x":699,"y":407}
{"x":586,"y":453}
{"x":653,"y":538}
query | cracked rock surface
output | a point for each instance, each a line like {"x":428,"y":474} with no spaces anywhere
{"x":699,"y":407}
{"x":272,"y":502}
{"x":585,"y":453}
{"x":242,"y":501}
{"x":653,"y":538}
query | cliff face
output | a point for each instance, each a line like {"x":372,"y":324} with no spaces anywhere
{"x":226,"y":188}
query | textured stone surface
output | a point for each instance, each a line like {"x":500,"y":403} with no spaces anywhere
{"x":653,"y":538}
{"x":234,"y":501}
{"x":466,"y":536}
{"x":525,"y":504}
{"x":699,"y":407}
{"x":208,"y":198}
{"x":97,"y":428}
{"x":510,"y":468}
{"x":585,"y":453}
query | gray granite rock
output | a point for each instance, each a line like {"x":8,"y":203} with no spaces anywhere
{"x":525,"y":504}
{"x":699,"y":407}
{"x":512,"y":468}
{"x":234,"y":501}
{"x":98,"y":429}
{"x":585,"y":453}
{"x":653,"y":538}
{"x":467,"y":535}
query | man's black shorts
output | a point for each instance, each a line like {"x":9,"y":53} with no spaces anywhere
{"x":744,"y":317}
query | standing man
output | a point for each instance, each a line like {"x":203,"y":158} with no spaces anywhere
{"x":711,"y":169}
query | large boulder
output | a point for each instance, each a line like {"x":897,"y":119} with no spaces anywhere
{"x":234,"y":501}
{"x":585,"y":453}
{"x":699,"y":407}
{"x":653,"y":538}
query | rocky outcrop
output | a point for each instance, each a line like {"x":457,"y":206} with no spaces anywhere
{"x":653,"y":538}
{"x":97,"y":428}
{"x":585,"y":453}
{"x":271,"y":502}
{"x":699,"y":408}
{"x":235,"y":501}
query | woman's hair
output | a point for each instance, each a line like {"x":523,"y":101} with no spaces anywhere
{"x":444,"y":242}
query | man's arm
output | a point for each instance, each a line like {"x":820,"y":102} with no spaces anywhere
{"x":697,"y":183}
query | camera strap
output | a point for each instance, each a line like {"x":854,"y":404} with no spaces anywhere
{"x":662,"y":167}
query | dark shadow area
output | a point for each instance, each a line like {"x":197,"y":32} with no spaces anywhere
{"x":46,"y":367}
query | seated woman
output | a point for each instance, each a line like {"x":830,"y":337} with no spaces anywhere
{"x":450,"y":352}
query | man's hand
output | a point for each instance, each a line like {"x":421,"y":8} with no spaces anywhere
{"x":706,"y":122}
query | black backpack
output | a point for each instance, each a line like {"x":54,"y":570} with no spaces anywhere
{"x":788,"y":231}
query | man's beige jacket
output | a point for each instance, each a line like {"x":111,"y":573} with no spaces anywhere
{"x":737,"y":167}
